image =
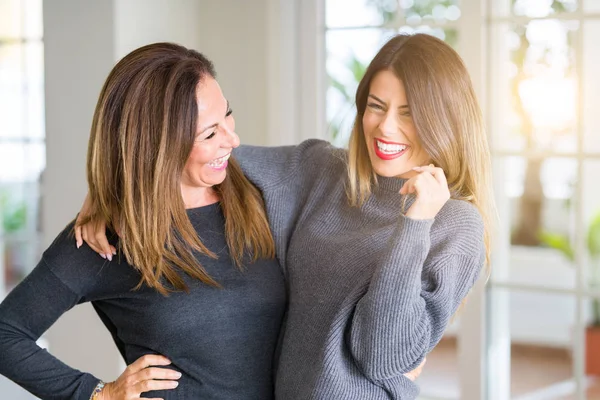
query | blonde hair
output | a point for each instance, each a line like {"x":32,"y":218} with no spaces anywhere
{"x":142,"y":134}
{"x":446,"y":115}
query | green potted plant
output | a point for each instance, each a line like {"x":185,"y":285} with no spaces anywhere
{"x":592,"y":334}
{"x":13,"y":216}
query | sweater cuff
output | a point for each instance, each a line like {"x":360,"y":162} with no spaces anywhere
{"x":88,"y":385}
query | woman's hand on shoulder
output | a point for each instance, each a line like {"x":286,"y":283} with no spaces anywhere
{"x":93,"y":233}
{"x":430,"y":189}
{"x":415,"y":373}
{"x":139,"y":377}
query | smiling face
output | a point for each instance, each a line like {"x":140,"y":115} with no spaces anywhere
{"x":390,"y":134}
{"x":215,"y":138}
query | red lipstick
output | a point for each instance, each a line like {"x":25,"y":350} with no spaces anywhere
{"x":385,"y":156}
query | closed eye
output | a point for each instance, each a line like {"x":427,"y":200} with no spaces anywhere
{"x":375,"y":106}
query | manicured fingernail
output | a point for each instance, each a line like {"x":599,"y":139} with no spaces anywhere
{"x":103,"y":256}
{"x":79,"y":244}
{"x":109,"y":256}
{"x":176,"y":374}
{"x":173,"y":384}
{"x":114,"y":252}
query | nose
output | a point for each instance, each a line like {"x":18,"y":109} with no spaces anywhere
{"x":389,"y":124}
{"x":231,"y":138}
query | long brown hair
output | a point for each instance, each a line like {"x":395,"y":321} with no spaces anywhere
{"x":446,"y":115}
{"x":142,"y":135}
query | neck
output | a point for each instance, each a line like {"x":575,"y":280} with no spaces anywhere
{"x":194,"y":197}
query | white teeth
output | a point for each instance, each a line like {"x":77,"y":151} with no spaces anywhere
{"x":390,"y":148}
{"x":219,"y":161}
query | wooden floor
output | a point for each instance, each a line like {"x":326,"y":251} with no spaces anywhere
{"x":536,"y":374}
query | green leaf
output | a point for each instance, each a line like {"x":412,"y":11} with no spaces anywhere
{"x":593,"y":237}
{"x":15,"y":219}
{"x":558,"y":242}
{"x":340,"y":87}
{"x":14,"y":216}
{"x":357,"y":68}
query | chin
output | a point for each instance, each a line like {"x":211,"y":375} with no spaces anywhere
{"x":386,"y":169}
{"x":386,"y":173}
{"x":218,"y":181}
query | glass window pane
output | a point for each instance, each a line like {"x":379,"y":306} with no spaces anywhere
{"x":10,"y":19}
{"x":34,"y":73}
{"x":542,"y":8}
{"x":534,"y":87}
{"x":532,"y":334}
{"x":440,"y":11}
{"x":32,"y":19}
{"x":22,"y":90}
{"x":354,"y":13}
{"x":591,"y":92}
{"x":21,"y":19}
{"x":539,"y":194}
{"x":591,"y":6}
{"x":591,"y":220}
{"x":33,"y":53}
{"x":21,"y":162}
{"x":533,"y":8}
{"x":12,"y":96}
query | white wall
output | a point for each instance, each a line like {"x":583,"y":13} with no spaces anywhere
{"x":233,"y":36}
{"x":78,"y":38}
{"x":231,"y":33}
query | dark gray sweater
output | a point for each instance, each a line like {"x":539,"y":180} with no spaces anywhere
{"x":222,"y":340}
{"x":370,"y":291}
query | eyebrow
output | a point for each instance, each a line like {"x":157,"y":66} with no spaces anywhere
{"x":383,"y":102}
{"x":215,"y":124}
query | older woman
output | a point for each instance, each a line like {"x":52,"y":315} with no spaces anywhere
{"x":194,"y":229}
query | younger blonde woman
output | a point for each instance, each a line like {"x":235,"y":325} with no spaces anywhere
{"x":380,"y":244}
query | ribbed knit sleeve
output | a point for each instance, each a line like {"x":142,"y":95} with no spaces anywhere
{"x":413,"y":293}
{"x":26,"y":313}
{"x":291,"y":166}
{"x":285,"y":175}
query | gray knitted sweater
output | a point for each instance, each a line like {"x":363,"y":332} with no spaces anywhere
{"x":370,"y":291}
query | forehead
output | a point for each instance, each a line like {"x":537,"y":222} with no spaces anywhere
{"x":387,"y":87}
{"x":209,"y":97}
